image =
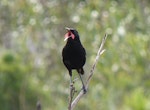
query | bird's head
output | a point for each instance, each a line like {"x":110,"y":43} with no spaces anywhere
{"x":71,"y":33}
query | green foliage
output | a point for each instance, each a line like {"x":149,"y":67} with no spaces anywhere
{"x":31,"y":40}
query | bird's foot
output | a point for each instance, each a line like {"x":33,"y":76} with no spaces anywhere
{"x":84,"y":89}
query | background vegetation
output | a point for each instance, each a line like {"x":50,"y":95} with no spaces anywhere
{"x":31,"y":40}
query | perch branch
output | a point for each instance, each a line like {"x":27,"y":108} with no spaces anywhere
{"x":72,"y":93}
{"x":73,"y":103}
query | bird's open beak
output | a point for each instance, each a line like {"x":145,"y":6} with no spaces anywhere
{"x":66,"y":38}
{"x":67,"y":34}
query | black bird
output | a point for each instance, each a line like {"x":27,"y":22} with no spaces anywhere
{"x":73,"y":53}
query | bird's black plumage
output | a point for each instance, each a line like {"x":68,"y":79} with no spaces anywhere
{"x":74,"y":54}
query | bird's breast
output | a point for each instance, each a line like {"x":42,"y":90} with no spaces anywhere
{"x":75,"y":55}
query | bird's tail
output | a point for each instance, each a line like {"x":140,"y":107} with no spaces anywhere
{"x":81,"y":71}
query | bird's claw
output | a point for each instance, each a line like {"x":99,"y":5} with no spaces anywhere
{"x":84,"y":89}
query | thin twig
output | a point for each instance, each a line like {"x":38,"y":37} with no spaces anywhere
{"x":72,"y":93}
{"x":81,"y":93}
{"x":99,"y":53}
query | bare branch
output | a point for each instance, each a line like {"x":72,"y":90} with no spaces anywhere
{"x":72,"y":93}
{"x":100,"y":52}
{"x":81,"y":93}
